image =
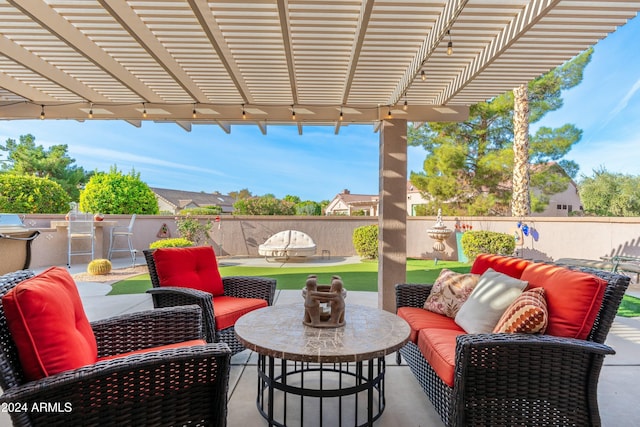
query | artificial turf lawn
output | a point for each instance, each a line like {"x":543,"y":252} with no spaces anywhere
{"x":362,"y":276}
{"x":629,"y":307}
{"x":356,"y":277}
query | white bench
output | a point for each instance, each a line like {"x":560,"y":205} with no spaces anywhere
{"x":288,"y":244}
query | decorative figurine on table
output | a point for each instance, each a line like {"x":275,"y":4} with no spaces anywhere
{"x":324,"y":304}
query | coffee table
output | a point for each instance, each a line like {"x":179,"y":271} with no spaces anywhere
{"x":298,"y":363}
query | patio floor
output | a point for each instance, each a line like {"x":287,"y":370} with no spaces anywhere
{"x":406,"y":404}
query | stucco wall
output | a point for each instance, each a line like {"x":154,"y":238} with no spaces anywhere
{"x":588,"y":238}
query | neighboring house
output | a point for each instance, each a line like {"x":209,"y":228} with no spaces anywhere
{"x":175,"y":200}
{"x":562,"y":204}
{"x":347,"y":204}
{"x":414,"y":199}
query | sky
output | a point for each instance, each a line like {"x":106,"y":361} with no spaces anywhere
{"x":319,"y":164}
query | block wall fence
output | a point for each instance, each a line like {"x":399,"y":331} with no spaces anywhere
{"x":240,"y":236}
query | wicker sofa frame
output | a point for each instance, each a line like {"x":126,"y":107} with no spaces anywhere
{"x":518,"y":379}
{"x":179,"y":386}
{"x":235,"y":286}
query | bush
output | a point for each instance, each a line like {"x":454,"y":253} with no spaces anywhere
{"x":191,"y":229}
{"x":177,"y":242}
{"x":489,"y":242}
{"x":203,"y":210}
{"x":308,"y":208}
{"x":117,"y":193}
{"x":365,"y":241}
{"x":29,"y":194}
{"x":264,"y":205}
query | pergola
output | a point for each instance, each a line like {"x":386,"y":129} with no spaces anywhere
{"x":293,"y":62}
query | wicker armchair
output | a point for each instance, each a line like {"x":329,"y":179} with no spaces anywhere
{"x":234,"y":286}
{"x":519,"y":379}
{"x":178,"y":386}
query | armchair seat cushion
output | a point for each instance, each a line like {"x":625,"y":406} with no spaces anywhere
{"x":229,"y":309}
{"x":419,"y":318}
{"x":48,"y":324}
{"x":438,"y":346}
{"x":195,"y":268}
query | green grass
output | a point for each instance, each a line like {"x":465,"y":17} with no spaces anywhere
{"x":629,"y":307}
{"x":356,"y":277}
{"x":133,"y":285}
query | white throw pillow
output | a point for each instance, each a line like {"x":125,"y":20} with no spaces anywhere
{"x":493,"y":294}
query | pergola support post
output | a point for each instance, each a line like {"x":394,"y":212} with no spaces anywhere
{"x":392,"y":215}
{"x":520,"y":200}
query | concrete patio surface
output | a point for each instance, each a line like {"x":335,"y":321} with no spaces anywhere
{"x":406,"y":403}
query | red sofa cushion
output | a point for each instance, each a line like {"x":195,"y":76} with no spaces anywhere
{"x":229,"y":309}
{"x":48,"y":324}
{"x":507,"y":265}
{"x":419,"y":318}
{"x":149,"y":350}
{"x":438,"y":346}
{"x":573,"y":298}
{"x":195,"y":268}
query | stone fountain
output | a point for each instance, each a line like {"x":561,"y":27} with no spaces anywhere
{"x":439,"y":233}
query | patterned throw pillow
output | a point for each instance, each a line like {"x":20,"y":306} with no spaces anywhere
{"x":527,"y":314}
{"x":450,"y":291}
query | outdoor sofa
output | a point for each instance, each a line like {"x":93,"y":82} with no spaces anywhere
{"x":524,"y":379}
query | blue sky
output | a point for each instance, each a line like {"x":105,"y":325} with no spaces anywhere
{"x":318,"y":164}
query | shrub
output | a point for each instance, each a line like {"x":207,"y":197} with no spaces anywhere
{"x":203,"y":210}
{"x":177,"y":242}
{"x":30,"y":194}
{"x":117,"y":193}
{"x":99,"y":267}
{"x":264,"y":205}
{"x":365,"y":241}
{"x":192,"y":229}
{"x":490,"y":242}
{"x":308,"y":208}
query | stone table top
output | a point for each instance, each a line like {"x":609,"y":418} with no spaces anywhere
{"x":278,"y":331}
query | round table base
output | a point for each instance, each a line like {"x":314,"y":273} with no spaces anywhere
{"x":344,"y":393}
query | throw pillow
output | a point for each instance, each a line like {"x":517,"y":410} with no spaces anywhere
{"x":488,"y":301}
{"x":48,"y":324}
{"x":527,"y":315}
{"x":450,"y":291}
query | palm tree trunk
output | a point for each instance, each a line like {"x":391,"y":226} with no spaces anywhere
{"x":520,"y":202}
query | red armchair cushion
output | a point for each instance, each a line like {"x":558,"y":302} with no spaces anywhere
{"x":438,"y":346}
{"x":419,"y":318}
{"x":507,"y":265}
{"x":573,"y":298}
{"x":195,"y":268}
{"x":229,"y":309}
{"x":48,"y":325}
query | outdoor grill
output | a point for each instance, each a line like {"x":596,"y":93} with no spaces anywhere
{"x":15,"y":243}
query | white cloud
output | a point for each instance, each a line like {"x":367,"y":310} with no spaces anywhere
{"x":118,"y":156}
{"x":622,"y":104}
